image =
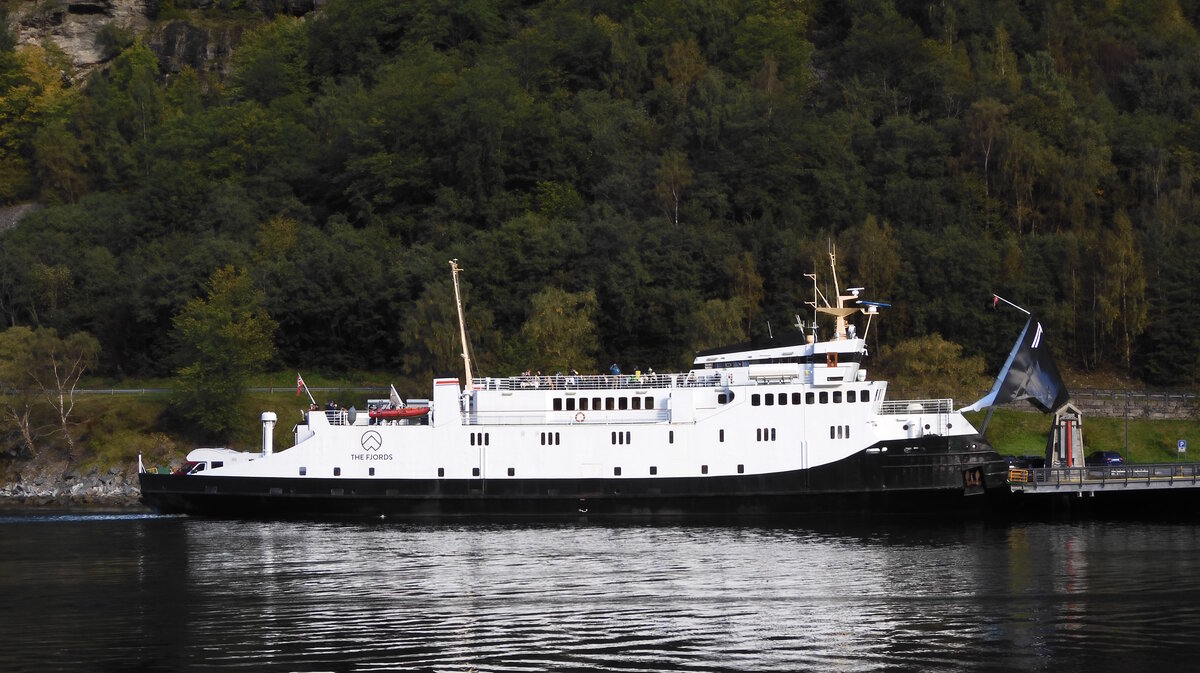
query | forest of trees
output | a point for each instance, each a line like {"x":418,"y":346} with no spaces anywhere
{"x":620,"y":181}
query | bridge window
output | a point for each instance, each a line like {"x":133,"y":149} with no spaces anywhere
{"x":837,"y":397}
{"x":583,"y":404}
{"x":558,"y":404}
{"x":637,"y":403}
{"x":570,"y":404}
{"x":649,"y":402}
{"x":616,"y":471}
{"x":755,"y":400}
{"x":850,"y":396}
{"x":796,"y":398}
{"x":824,"y":397}
{"x":810,"y":398}
{"x":303,"y":471}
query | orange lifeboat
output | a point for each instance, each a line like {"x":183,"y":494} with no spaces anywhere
{"x":402,"y":412}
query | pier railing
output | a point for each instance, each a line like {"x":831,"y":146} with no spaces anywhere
{"x":1091,"y":478}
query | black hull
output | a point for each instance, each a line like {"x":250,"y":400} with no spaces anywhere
{"x":935,"y":480}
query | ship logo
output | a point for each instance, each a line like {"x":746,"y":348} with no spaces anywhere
{"x":371,"y":441}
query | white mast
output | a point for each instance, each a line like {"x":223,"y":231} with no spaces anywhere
{"x":462,"y":326}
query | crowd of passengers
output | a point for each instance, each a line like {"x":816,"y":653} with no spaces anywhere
{"x":615,"y":379}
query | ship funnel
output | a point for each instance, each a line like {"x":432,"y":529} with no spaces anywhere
{"x":268,"y":421}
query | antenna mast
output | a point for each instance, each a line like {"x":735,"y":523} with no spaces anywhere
{"x":462,"y":325}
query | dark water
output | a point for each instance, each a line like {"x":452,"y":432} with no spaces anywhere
{"x":142,"y":593}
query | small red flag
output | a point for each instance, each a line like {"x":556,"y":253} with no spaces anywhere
{"x":299,"y":384}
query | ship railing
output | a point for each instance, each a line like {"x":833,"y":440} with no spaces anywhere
{"x":901,"y":407}
{"x":569,"y":417}
{"x":1159,"y":473}
{"x":598,"y":381}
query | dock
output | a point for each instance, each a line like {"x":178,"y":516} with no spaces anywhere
{"x":1092,"y":480}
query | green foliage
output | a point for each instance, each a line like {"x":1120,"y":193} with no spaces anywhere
{"x":932,"y":367}
{"x":561,"y":330}
{"x":220,"y":339}
{"x":685,"y":162}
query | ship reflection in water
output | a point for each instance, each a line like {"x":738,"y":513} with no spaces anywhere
{"x":156,"y":593}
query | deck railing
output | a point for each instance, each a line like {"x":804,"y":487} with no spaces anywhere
{"x":598,"y":381}
{"x":1092,"y":476}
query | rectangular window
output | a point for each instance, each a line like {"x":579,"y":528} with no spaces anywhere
{"x":303,"y":471}
{"x":441,"y":471}
{"x":832,"y":432}
{"x":610,"y":404}
{"x":839,"y":431}
{"x":558,"y":404}
{"x":653,"y":470}
{"x":595,"y":404}
{"x":557,"y":439}
{"x":703,"y":469}
{"x":796,"y":398}
{"x":837,"y":397}
{"x":847,"y":432}
{"x":637,"y":403}
{"x":473,"y":439}
{"x":866,"y":396}
{"x":217,"y":463}
{"x":512,"y":471}
{"x":741,"y":469}
{"x":583,"y":404}
{"x":649,"y":402}
{"x":616,"y":471}
{"x":623,"y":403}
{"x":758,"y":434}
{"x":824,"y":397}
{"x":543,"y":439}
{"x":809,"y":398}
{"x":670,"y":436}
{"x":755,"y":400}
{"x":721,"y":434}
{"x":474,"y":471}
{"x":370,"y":472}
{"x":614,"y":438}
{"x":772,"y":434}
{"x":770,"y":399}
{"x":782,"y":399}
{"x":487,"y":438}
{"x":627,"y":439}
{"x":570,"y":404}
{"x":850,"y":396}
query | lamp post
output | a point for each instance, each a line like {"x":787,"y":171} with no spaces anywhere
{"x":1127,"y":419}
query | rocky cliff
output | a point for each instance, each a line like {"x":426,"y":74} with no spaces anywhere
{"x":200,"y":34}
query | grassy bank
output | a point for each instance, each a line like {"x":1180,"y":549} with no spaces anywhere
{"x":1020,"y":433}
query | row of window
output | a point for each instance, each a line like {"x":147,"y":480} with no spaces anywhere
{"x":602,"y":403}
{"x":843,"y":431}
{"x":823,"y":397}
{"x":764,"y":434}
{"x":551,"y":438}
{"x":512,"y":471}
{"x":485,"y":438}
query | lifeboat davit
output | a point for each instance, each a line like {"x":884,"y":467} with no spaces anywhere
{"x":402,"y":412}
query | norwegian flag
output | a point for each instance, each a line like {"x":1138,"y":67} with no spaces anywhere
{"x":299,"y":384}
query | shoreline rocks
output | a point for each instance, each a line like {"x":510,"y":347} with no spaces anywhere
{"x":113,"y":489}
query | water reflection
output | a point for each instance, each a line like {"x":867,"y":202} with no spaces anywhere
{"x":187,"y":594}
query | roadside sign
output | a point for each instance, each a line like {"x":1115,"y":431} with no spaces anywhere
{"x":1183,"y":446}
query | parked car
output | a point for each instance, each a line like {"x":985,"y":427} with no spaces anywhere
{"x":1103,"y":459}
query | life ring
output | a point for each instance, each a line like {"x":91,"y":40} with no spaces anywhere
{"x":579,"y":417}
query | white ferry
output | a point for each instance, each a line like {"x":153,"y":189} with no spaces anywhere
{"x":788,"y":427}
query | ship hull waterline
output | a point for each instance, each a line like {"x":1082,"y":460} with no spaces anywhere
{"x":858,"y":485}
